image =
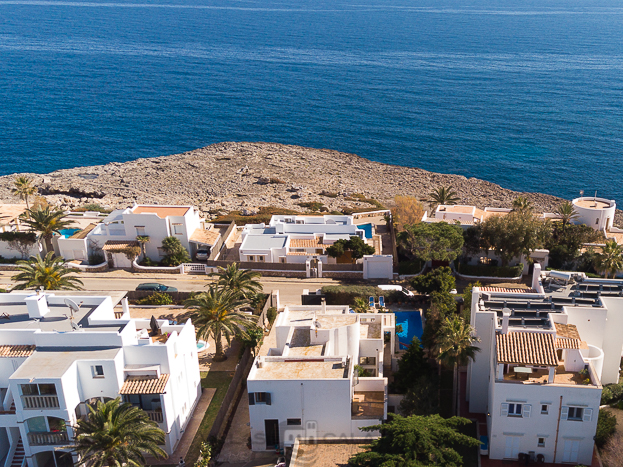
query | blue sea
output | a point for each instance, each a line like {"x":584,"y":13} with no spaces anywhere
{"x":527,"y":94}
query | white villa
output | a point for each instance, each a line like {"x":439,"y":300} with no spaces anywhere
{"x":307,"y":386}
{"x":597,"y":213}
{"x":297,"y":239}
{"x":121,"y":227}
{"x":545,"y":353}
{"x":55,"y":362}
{"x":465,"y":215}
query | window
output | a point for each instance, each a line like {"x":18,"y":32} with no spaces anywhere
{"x":259,"y":398}
{"x":250,"y":258}
{"x":38,"y":389}
{"x":260,"y":259}
{"x":294,"y":421}
{"x":98,"y":371}
{"x":282,"y":259}
{"x":367,"y":360}
{"x":541,"y":443}
{"x":140,"y":230}
{"x":178,"y":229}
{"x":544,"y":409}
{"x":575,"y":413}
{"x":514,"y":410}
{"x":597,"y":221}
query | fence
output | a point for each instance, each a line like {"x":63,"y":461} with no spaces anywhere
{"x":260,"y":266}
{"x":216,"y":248}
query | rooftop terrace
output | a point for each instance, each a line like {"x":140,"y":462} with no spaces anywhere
{"x":299,"y":368}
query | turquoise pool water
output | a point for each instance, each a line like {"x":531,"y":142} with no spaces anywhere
{"x":411,"y":322}
{"x":69,"y":232}
{"x":367,"y":228}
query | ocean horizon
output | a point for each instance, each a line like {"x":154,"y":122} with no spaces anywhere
{"x":527,"y":96}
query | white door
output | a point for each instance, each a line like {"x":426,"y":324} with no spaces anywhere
{"x":512,"y":447}
{"x":570,"y":453}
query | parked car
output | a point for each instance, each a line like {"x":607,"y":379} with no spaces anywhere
{"x":155,"y":287}
{"x":202,"y":255}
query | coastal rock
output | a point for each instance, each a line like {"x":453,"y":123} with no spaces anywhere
{"x":227,"y":176}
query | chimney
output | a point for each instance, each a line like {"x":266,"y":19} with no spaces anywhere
{"x":37,"y":306}
{"x":506,"y":314}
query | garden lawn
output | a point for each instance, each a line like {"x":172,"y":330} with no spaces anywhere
{"x":212,"y":379}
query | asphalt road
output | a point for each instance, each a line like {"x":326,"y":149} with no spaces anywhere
{"x":290,"y":289}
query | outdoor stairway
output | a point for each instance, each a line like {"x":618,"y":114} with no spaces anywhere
{"x":18,"y":457}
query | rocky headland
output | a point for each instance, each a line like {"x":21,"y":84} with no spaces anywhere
{"x":243,"y":177}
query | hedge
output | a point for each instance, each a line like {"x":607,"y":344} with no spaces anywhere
{"x":346,"y":294}
{"x":27,"y":237}
{"x":490,"y":271}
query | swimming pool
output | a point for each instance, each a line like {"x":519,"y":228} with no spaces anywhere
{"x":68,"y":232}
{"x":411,"y":322}
{"x":367,"y":229}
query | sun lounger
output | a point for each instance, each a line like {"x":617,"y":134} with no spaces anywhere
{"x":371,"y":303}
{"x":382,"y":302}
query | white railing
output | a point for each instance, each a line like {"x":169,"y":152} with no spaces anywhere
{"x":40,"y":402}
{"x":155,"y":416}
{"x":47,"y":438}
{"x":194,"y":267}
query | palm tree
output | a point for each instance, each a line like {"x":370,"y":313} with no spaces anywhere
{"x":46,"y":222}
{"x":610,"y":260}
{"x":567,"y":213}
{"x":49,"y":273}
{"x":143,"y":240}
{"x":455,"y":349}
{"x":443,"y":195}
{"x":117,"y":434}
{"x":522,"y":204}
{"x":242,"y":282}
{"x":23,"y":189}
{"x":214,"y":315}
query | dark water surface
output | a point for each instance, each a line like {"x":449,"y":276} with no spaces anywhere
{"x":526,"y":94}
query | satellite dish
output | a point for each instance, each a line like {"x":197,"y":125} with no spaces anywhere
{"x":73,"y":306}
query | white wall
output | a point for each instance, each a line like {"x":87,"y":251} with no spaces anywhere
{"x":479,"y":372}
{"x":378,"y":267}
{"x":327,"y":402}
{"x":529,"y":429}
{"x":598,"y":219}
{"x":6,"y":252}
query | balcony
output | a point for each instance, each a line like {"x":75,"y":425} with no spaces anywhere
{"x":155,"y":416}
{"x":48,"y":438}
{"x":40,"y":402}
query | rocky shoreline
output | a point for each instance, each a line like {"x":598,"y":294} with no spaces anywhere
{"x":243,"y":177}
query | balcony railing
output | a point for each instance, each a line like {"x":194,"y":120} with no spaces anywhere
{"x":40,"y":402}
{"x":155,"y":416}
{"x":47,"y":439}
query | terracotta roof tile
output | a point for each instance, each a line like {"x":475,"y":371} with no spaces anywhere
{"x":206,"y":237}
{"x":305,"y":242}
{"x":567,"y":343}
{"x":118,"y":245}
{"x":144,"y":385}
{"x":526,"y":348}
{"x":567,"y":330}
{"x":16,"y":350}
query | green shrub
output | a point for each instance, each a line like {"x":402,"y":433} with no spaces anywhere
{"x":93,"y":207}
{"x":25,"y":237}
{"x":157,"y":298}
{"x":271,"y":314}
{"x":147,"y":261}
{"x":410,"y":267}
{"x":490,"y":271}
{"x":616,"y":390}
{"x":606,"y":396}
{"x":96,"y":258}
{"x":606,"y":427}
{"x":9,"y":260}
{"x":312,"y":205}
{"x":438,"y":280}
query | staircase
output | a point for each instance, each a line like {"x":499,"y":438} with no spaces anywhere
{"x":18,"y":457}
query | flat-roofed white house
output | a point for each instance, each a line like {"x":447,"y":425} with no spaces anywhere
{"x":297,"y":239}
{"x":55,"y":362}
{"x":308,"y":387}
{"x":545,"y":353}
{"x":121,"y":227}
